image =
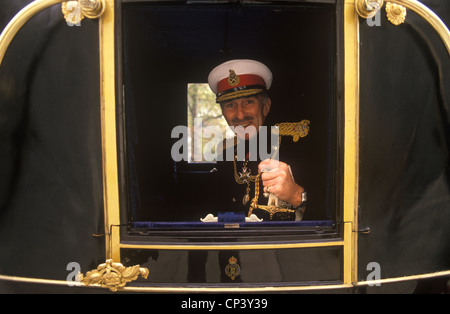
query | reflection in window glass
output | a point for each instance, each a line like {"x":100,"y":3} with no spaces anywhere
{"x":203,"y":112}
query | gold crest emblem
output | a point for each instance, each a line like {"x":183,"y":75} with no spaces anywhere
{"x":233,"y":78}
{"x":232,"y":269}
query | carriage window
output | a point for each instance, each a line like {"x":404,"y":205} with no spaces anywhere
{"x":182,"y":167}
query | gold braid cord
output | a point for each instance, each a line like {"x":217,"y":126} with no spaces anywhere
{"x":254,"y":203}
{"x":296,"y":130}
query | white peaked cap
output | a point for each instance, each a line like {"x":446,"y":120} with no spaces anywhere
{"x":240,"y":67}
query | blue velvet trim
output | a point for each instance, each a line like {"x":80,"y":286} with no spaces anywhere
{"x":230,"y":217}
{"x":223,"y":224}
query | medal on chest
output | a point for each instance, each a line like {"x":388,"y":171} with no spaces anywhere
{"x":244,"y":177}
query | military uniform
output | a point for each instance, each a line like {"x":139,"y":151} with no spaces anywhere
{"x":238,"y":186}
{"x":233,"y":195}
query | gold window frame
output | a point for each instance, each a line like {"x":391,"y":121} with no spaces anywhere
{"x":353,"y":9}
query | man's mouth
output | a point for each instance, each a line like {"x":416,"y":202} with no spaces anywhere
{"x":244,"y":124}
{"x":245,"y":129}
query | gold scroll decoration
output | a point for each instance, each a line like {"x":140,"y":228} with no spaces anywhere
{"x":368,"y":8}
{"x":76,"y":10}
{"x":113,"y":275}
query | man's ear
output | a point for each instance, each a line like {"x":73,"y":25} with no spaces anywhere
{"x":266,"y":108}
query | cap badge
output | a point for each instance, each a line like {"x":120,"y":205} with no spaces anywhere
{"x":233,"y":78}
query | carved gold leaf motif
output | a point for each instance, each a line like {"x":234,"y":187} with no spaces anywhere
{"x":395,"y":13}
{"x":113,"y":275}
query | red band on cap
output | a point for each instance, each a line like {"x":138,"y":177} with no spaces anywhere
{"x":244,"y":80}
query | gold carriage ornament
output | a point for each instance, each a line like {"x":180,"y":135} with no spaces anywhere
{"x":76,"y":10}
{"x":297,"y":130}
{"x":113,"y":275}
{"x":395,"y":13}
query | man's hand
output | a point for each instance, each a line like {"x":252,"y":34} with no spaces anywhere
{"x":278,"y":180}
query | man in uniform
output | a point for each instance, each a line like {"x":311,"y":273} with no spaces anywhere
{"x":241,"y":88}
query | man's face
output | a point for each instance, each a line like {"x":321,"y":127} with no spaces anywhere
{"x":248,"y":113}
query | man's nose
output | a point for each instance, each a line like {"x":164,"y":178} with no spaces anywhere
{"x":240,"y":114}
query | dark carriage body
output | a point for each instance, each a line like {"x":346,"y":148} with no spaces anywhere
{"x":87,"y":176}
